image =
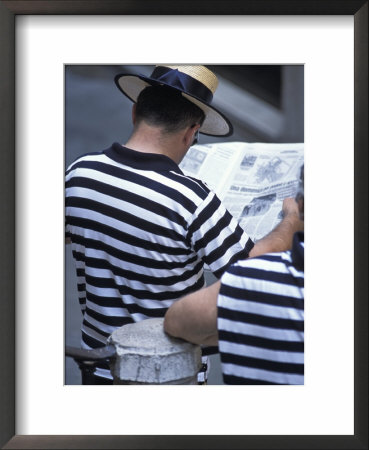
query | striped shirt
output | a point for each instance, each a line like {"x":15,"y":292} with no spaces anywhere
{"x":261,"y":319}
{"x":141,"y":234}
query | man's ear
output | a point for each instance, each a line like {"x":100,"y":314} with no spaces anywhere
{"x":190,"y":133}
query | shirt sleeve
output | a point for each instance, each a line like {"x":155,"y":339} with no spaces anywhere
{"x":216,"y":236}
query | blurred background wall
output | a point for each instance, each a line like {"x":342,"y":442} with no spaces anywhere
{"x":265,"y":103}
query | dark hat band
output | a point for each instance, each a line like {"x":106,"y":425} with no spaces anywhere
{"x":183,"y":82}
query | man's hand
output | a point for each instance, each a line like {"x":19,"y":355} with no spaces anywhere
{"x":290,"y":207}
{"x":280,"y":239}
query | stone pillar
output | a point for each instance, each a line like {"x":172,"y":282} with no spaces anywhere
{"x":145,"y":354}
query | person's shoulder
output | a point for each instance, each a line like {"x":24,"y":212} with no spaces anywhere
{"x":258,"y":267}
{"x":197,"y":186}
{"x":91,"y":156}
{"x":264,"y":260}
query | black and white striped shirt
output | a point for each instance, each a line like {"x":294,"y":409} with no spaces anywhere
{"x":141,"y":233}
{"x":261,"y":319}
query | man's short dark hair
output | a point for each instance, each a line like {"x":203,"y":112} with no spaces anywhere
{"x":166,"y":108}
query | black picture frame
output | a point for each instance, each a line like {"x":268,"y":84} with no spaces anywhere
{"x":8,"y":11}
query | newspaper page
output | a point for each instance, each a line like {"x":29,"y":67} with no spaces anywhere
{"x":213,"y":164}
{"x":251,"y":179}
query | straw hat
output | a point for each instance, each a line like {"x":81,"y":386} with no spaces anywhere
{"x":197,"y":84}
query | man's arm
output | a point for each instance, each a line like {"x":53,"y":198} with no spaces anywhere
{"x":194,"y":317}
{"x":280,"y":239}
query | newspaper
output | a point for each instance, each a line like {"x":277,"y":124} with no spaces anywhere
{"x":251,"y":179}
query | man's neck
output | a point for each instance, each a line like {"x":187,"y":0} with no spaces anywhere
{"x":148,"y":139}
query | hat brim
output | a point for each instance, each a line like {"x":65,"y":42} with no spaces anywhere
{"x":215,"y":123}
